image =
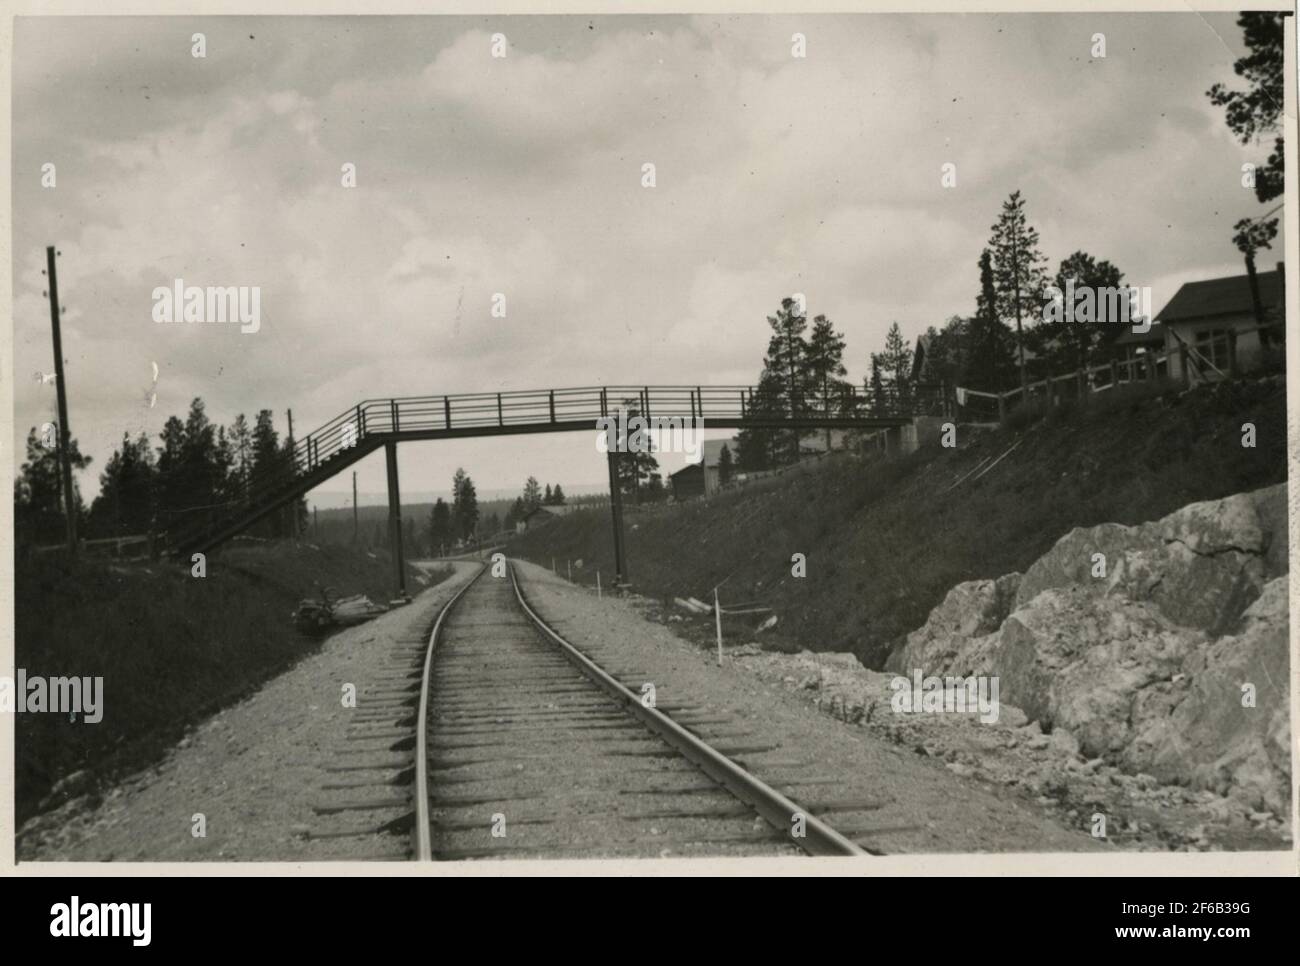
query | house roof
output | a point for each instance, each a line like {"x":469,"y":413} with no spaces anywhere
{"x":1154,"y":334}
{"x":1222,"y":296}
{"x":686,"y":469}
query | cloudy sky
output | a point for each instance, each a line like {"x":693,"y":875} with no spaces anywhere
{"x":522,"y":175}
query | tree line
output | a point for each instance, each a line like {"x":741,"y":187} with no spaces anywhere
{"x":530,"y":499}
{"x":1009,"y":339}
{"x":196,"y":467}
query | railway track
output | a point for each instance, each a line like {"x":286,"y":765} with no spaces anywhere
{"x":525,"y":748}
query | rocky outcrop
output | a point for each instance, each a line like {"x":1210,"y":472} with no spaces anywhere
{"x":969,"y":610}
{"x":1224,"y":726}
{"x":1202,"y":566}
{"x":1148,"y":644}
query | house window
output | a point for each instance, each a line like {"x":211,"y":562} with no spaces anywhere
{"x":1212,"y":344}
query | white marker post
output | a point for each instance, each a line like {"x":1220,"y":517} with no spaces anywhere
{"x":598,"y":593}
{"x":569,"y":564}
{"x":717,"y":617}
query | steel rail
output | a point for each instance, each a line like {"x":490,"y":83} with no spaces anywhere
{"x":423,"y":839}
{"x":820,"y":839}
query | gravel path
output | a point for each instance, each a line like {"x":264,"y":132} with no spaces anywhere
{"x":884,"y":797}
{"x":257,"y":770}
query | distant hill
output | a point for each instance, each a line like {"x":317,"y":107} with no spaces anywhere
{"x":330,"y":499}
{"x":335,"y":526}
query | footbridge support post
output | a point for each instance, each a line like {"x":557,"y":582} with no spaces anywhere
{"x":395,"y":522}
{"x":616,"y":509}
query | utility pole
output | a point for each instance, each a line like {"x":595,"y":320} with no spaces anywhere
{"x":65,"y":465}
{"x":356,"y":523}
{"x":395,"y":522}
{"x":616,"y":510}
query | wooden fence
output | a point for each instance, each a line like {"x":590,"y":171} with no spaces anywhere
{"x":1195,"y":364}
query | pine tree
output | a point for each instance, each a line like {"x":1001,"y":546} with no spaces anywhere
{"x":1077,"y":341}
{"x":1257,"y":112}
{"x":200,"y":455}
{"x":469,"y":512}
{"x":532,"y":493}
{"x":876,"y":387}
{"x":635,"y":467}
{"x":896,"y":361}
{"x":1019,"y":275}
{"x":725,"y":467}
{"x":824,"y":370}
{"x":945,"y":351}
{"x":125,"y":504}
{"x":785,"y":363}
{"x":171,"y":464}
{"x":266,"y":447}
{"x":557,"y":496}
{"x":439,"y":526}
{"x":990,"y":359}
{"x":38,"y":492}
{"x":516,"y":513}
{"x":241,"y":446}
{"x":464,"y":506}
{"x":1250,"y":238}
{"x":546,"y":496}
{"x":266,"y":467}
{"x":759,"y":444}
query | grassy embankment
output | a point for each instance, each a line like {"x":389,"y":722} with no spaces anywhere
{"x":885,"y":538}
{"x":171,"y":648}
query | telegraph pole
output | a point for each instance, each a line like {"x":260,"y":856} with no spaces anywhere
{"x":395,"y":521}
{"x":356,"y":524}
{"x":69,"y":507}
{"x":616,"y":510}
